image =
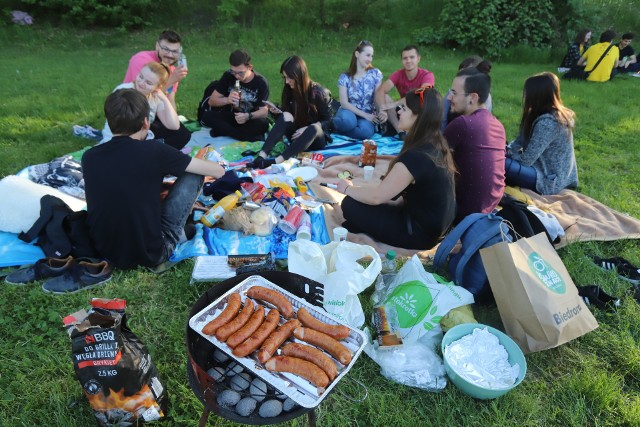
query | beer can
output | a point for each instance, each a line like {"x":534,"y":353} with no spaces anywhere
{"x":368,"y":153}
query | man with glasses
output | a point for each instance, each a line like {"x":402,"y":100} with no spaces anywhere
{"x":168,"y":52}
{"x":478,"y":142}
{"x":410,"y":76}
{"x":240,"y":115}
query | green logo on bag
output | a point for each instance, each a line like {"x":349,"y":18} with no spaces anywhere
{"x":547,"y":275}
{"x":412,"y":300}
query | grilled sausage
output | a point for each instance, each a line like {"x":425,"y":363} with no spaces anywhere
{"x":225,"y":331}
{"x":273,"y":297}
{"x":325,"y":342}
{"x":252,"y":343}
{"x":230,"y":311}
{"x":250,"y":327}
{"x":276,"y":339}
{"x":313,"y":355}
{"x":299,"y":367}
{"x":338,"y":332}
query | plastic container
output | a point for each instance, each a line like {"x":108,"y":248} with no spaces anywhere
{"x":473,"y":390}
{"x":214,"y":214}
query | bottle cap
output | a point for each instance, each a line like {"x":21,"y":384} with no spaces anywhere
{"x":391,"y":254}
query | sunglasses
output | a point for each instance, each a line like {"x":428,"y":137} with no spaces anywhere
{"x":420,"y":91}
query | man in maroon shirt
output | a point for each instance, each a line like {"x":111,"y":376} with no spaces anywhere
{"x":478,"y":142}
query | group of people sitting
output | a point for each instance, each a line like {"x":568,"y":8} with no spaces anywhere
{"x":601,"y":61}
{"x":454,"y":160}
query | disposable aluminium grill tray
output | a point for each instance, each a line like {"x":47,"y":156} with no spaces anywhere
{"x":298,"y":389}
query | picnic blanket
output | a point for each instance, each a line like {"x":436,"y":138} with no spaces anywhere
{"x":582,"y":217}
{"x":342,"y":145}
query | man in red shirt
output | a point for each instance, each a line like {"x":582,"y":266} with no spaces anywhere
{"x":409,"y":77}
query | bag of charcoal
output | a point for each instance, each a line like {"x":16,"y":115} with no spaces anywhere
{"x":113,"y":366}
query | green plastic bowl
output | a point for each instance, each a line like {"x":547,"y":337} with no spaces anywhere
{"x":473,"y":390}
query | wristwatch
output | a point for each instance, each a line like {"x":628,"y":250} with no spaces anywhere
{"x":250,"y":115}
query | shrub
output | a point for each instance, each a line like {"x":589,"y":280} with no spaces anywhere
{"x":88,"y":13}
{"x":490,"y":26}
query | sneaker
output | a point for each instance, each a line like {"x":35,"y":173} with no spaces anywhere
{"x":83,"y":275}
{"x":42,"y":269}
{"x":594,"y":296}
{"x":625,"y":270}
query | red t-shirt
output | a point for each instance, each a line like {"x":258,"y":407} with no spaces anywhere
{"x":404,"y":85}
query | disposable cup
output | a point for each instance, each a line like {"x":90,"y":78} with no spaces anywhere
{"x":290,"y":223}
{"x":368,"y":173}
{"x":304,"y":230}
{"x":340,"y":234}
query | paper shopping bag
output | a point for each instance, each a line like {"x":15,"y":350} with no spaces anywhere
{"x":538,"y":302}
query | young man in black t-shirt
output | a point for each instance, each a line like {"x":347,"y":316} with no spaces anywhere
{"x":628,"y":59}
{"x":128,"y":223}
{"x":241,"y":116}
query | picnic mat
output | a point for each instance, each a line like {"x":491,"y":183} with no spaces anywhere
{"x":341,"y":145}
{"x":582,"y":217}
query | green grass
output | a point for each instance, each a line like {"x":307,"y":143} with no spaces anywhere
{"x":55,"y":78}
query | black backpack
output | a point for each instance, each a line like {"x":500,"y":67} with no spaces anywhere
{"x":522,"y":220}
{"x":61,"y":231}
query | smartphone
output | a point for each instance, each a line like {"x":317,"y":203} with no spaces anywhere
{"x":273,"y":106}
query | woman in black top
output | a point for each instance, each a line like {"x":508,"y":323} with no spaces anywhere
{"x":305,"y":117}
{"x":422,"y":175}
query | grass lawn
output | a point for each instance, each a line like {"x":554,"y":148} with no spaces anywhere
{"x":54,"y":79}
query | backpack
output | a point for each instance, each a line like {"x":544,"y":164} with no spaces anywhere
{"x":60,"y":230}
{"x":475,"y":232}
{"x":204,"y":106}
{"x":524,"y":223}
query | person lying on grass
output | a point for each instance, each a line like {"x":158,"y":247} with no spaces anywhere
{"x":542,"y":157}
{"x":305,"y":117}
{"x":128,"y":223}
{"x":150,"y":81}
{"x":414,"y":204}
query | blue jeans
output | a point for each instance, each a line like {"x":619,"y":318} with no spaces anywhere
{"x":348,"y":124}
{"x":175,"y":210}
{"x":518,"y":174}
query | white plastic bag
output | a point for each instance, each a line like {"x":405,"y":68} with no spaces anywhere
{"x":334,"y":265}
{"x":419,"y":301}
{"x":415,"y":365}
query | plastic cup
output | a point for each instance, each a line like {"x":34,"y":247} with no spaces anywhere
{"x":340,"y":234}
{"x":368,"y":173}
{"x":290,"y":223}
{"x":304,"y":230}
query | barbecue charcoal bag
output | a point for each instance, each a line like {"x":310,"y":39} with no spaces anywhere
{"x":113,"y":366}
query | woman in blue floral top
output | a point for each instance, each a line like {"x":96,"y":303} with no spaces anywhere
{"x":356,"y":117}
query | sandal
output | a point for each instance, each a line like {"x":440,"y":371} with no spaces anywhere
{"x":626,"y":271}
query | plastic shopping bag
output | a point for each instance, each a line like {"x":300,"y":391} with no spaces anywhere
{"x":335,"y":266}
{"x":406,"y":337}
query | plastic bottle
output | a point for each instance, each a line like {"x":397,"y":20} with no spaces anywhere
{"x":214,"y":214}
{"x":389,"y":267}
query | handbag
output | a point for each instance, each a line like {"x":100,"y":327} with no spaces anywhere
{"x":579,"y":73}
{"x":538,"y":302}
